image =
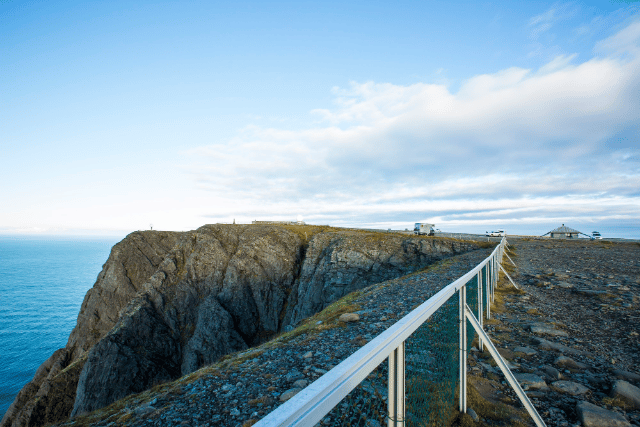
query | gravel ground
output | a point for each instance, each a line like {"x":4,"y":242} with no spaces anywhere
{"x":575,"y":320}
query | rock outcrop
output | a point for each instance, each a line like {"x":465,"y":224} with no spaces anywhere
{"x":166,"y":304}
{"x":51,"y":394}
{"x":341,"y":262}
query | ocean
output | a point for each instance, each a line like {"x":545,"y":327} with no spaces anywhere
{"x":42,"y":284}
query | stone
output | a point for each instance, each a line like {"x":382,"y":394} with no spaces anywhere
{"x":626,"y":375}
{"x":488,"y":367}
{"x":307,"y":355}
{"x":567,"y":362}
{"x":551,"y":372}
{"x":293,"y":375}
{"x":630,"y":394}
{"x":570,"y":387}
{"x":565,"y":285}
{"x":530,"y":381}
{"x":525,"y":350}
{"x":542,"y":328}
{"x":289,"y":394}
{"x":301,"y":384}
{"x":473,"y":415}
{"x":591,"y":415}
{"x":349,"y":317}
{"x":549,"y":345}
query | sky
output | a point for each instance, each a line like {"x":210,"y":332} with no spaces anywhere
{"x":118,"y":116}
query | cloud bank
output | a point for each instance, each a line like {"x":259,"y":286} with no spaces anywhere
{"x":514,"y":146}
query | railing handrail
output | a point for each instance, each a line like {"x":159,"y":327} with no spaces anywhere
{"x":312,"y":403}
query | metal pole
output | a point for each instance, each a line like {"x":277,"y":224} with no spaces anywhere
{"x":486,"y":283}
{"x":495,"y":279}
{"x":509,"y":277}
{"x":462,"y":296}
{"x":396,"y":388}
{"x":480,"y":316}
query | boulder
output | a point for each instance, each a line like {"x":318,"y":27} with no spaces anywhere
{"x":289,"y":394}
{"x":591,"y":415}
{"x":626,"y":392}
{"x":570,"y":387}
{"x":551,"y":372}
{"x":542,"y":328}
{"x":626,"y":375}
{"x":567,"y":362}
{"x":349,"y":317}
{"x":530,"y":381}
{"x":525,"y":350}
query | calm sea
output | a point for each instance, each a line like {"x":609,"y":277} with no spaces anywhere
{"x":42,"y":284}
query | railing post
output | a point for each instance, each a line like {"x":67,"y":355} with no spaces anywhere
{"x":486,"y":282}
{"x":494,"y":278}
{"x":395,"y":403}
{"x":462,"y":296}
{"x":480,"y":310}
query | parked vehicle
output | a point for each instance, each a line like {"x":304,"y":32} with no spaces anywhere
{"x":499,"y":233}
{"x":424,"y":229}
{"x":596,"y":235}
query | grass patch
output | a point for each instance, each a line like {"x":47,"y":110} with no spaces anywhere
{"x":497,"y":412}
{"x":616,"y":401}
{"x":503,"y":291}
{"x":490,"y":413}
{"x":436,"y":267}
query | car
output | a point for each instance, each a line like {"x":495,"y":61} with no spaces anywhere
{"x":596,"y":235}
{"x":422,"y":228}
{"x":499,"y":233}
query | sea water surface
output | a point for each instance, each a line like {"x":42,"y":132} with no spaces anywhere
{"x":43,"y":281}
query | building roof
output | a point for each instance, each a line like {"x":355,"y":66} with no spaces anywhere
{"x":565,"y":229}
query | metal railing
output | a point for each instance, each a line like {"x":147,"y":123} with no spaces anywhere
{"x":313,"y":403}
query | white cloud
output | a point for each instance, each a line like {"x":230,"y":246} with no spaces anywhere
{"x":624,"y":42}
{"x":516,"y":140}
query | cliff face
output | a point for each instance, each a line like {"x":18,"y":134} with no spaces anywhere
{"x":341,"y":262}
{"x":51,"y":394}
{"x":166,"y":304}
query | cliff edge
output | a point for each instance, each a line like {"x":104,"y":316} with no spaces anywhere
{"x":166,"y":304}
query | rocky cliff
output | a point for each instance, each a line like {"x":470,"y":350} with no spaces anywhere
{"x":166,"y":304}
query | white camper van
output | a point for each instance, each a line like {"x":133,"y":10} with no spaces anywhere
{"x":422,"y":228}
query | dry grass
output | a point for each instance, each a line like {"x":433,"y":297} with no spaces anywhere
{"x":616,"y":401}
{"x":490,"y":413}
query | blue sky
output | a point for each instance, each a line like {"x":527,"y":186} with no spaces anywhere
{"x":474,"y":116}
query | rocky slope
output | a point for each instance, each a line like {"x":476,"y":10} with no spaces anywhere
{"x":166,"y":304}
{"x":570,"y":335}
